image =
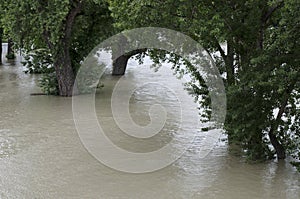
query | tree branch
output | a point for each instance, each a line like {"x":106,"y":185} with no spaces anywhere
{"x":220,"y":49}
{"x":288,"y":92}
{"x":265,"y":17}
{"x":70,"y":21}
{"x":274,"y":140}
{"x":271,"y":10}
{"x":46,"y":36}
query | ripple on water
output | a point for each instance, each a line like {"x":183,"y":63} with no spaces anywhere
{"x":8,"y":144}
{"x":13,"y":141}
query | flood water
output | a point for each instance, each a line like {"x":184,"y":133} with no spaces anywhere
{"x":41,"y":155}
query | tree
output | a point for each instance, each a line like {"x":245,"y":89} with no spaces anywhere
{"x":260,"y":62}
{"x":1,"y":30}
{"x":1,"y":36}
{"x":10,"y":49}
{"x":54,"y":25}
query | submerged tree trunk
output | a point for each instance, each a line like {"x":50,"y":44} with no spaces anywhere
{"x":228,"y":58}
{"x":121,"y":54}
{"x":10,"y":53}
{"x":1,"y":35}
{"x":62,"y":61}
{"x":120,"y":63}
{"x":64,"y":74}
{"x":280,"y":151}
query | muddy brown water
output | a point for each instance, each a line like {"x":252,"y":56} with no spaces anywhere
{"x":41,"y":155}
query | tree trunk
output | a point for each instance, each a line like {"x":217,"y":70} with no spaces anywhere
{"x":119,"y":65}
{"x":10,"y":52}
{"x":1,"y":35}
{"x":64,"y":74}
{"x":230,"y":80}
{"x":280,"y":151}
{"x":229,"y":62}
{"x":62,"y":62}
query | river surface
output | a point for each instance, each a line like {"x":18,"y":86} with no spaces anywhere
{"x":41,"y":155}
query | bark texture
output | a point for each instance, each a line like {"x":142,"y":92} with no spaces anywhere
{"x":1,"y":35}
{"x":10,"y":52}
{"x":62,"y":63}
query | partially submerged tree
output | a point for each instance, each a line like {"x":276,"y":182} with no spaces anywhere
{"x":64,"y":27}
{"x":1,"y":29}
{"x":260,"y":62}
{"x":1,"y":36}
{"x":10,"y":49}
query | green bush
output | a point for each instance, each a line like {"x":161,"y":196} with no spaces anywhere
{"x":48,"y":83}
{"x":40,"y":61}
{"x":10,"y":56}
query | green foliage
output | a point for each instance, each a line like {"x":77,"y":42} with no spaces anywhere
{"x":91,"y":27}
{"x":40,"y":25}
{"x":256,"y":47}
{"x":10,"y":56}
{"x":297,"y":165}
{"x":49,"y":84}
{"x":38,"y":61}
{"x":30,"y":21}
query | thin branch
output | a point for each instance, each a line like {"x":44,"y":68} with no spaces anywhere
{"x":46,"y":36}
{"x":220,"y":49}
